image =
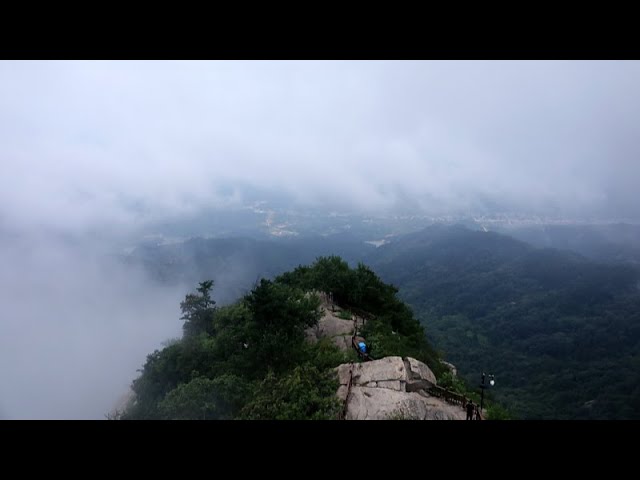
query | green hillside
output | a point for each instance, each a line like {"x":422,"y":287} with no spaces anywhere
{"x":560,"y":332}
{"x":250,"y":360}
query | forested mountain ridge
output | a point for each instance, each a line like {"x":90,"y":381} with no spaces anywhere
{"x":252,"y":359}
{"x":610,"y":243}
{"x":560,"y":331}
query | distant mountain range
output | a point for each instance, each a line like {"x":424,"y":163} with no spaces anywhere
{"x":560,"y":331}
{"x":613,"y":242}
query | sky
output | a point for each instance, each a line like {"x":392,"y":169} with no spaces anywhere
{"x":92,"y":150}
{"x":88,"y":144}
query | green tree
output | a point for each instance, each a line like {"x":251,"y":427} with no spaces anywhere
{"x":195,"y":400}
{"x":198,"y":310}
{"x":205,"y":399}
{"x":251,"y":359}
{"x":306,"y":393}
{"x":275,"y":333}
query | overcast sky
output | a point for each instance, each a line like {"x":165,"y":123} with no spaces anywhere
{"x":107,"y":146}
{"x":93,"y":143}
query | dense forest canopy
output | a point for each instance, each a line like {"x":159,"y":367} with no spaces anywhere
{"x":250,"y":360}
{"x":561,"y":332}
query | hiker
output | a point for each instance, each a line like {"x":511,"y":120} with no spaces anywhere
{"x":362,"y":347}
{"x":470,"y":409}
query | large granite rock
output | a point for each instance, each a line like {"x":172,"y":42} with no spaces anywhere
{"x":366,"y":403}
{"x":419,"y":376}
{"x":385,"y":369}
{"x":389,"y":388}
{"x":329,"y":325}
{"x":403,"y":372}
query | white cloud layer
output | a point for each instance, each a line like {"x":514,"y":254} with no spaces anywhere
{"x":89,"y":143}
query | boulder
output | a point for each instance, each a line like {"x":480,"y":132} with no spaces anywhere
{"x":343,"y":342}
{"x":388,"y":368}
{"x":366,"y":403}
{"x":420,"y":376}
{"x":344,"y":373}
{"x":393,"y":385}
{"x":392,"y":388}
{"x":338,"y":329}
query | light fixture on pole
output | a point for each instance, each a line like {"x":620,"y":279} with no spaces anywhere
{"x":483,"y":385}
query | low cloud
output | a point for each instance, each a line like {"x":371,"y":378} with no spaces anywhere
{"x":125,"y":143}
{"x":75,"y":327}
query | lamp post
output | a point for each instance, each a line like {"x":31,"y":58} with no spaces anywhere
{"x":483,"y":385}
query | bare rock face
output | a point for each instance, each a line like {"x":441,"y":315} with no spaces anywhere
{"x":392,"y":388}
{"x":344,"y":372}
{"x":330,"y":325}
{"x":420,"y":377}
{"x":385,"y":369}
{"x":419,"y":371}
{"x":342,"y":393}
{"x":372,"y":403}
{"x":366,"y":403}
{"x":388,"y":388}
{"x":388,"y":372}
{"x":343,"y":342}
